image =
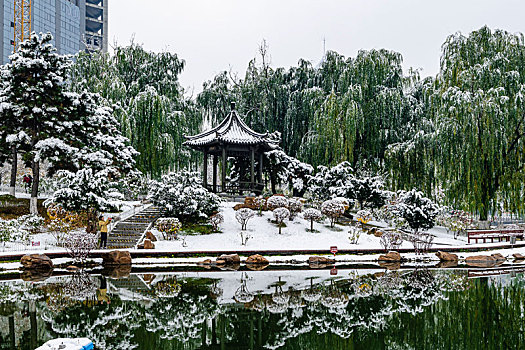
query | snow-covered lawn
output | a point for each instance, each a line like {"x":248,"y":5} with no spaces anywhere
{"x":264,"y":235}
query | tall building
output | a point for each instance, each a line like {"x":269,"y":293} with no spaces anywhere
{"x":75,"y":24}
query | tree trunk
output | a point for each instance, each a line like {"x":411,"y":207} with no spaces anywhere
{"x":280,"y":225}
{"x":312,"y":225}
{"x":14,"y":167}
{"x":273,"y":180}
{"x":91,"y":226}
{"x":33,"y":202}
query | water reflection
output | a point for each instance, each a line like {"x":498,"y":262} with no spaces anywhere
{"x":267,"y":309}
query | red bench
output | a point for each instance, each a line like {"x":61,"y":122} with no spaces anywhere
{"x":492,"y":235}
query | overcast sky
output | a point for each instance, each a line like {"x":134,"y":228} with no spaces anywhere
{"x":214,"y":35}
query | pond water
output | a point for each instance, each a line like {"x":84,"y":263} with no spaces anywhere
{"x":270,"y":309}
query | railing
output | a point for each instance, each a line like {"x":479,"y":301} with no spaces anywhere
{"x":238,"y":187}
{"x":35,"y":245}
{"x":128,"y":213}
{"x":20,"y":190}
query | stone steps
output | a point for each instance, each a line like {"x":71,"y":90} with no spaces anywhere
{"x":127,"y":232}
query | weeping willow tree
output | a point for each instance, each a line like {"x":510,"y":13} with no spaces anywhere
{"x":479,"y":117}
{"x":144,"y":90}
{"x":365,"y":111}
{"x":343,"y":109}
{"x":470,"y":142}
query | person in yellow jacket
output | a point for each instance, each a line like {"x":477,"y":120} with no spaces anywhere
{"x":103,"y":231}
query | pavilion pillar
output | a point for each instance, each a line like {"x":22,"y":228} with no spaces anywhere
{"x":215,"y":161}
{"x":205,"y":180}
{"x":260,"y":170}
{"x":223,"y":175}
{"x":252,"y":169}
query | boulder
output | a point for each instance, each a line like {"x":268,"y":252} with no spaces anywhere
{"x":256,"y":267}
{"x":117,"y":257}
{"x":36,"y":262}
{"x":229,"y":259}
{"x":390,"y":265}
{"x":239,"y":206}
{"x":229,"y":267}
{"x":151,"y":236}
{"x":518,"y":256}
{"x":378,"y":233}
{"x":148,"y":244}
{"x":390,"y":256}
{"x":33,"y":275}
{"x":72,"y":268}
{"x":447,"y":263}
{"x":117,"y":271}
{"x":248,"y":203}
{"x":318,"y":260}
{"x":379,"y":274}
{"x":220,"y":262}
{"x":498,"y":257}
{"x":444,"y":256}
{"x":257,"y":259}
{"x":148,"y":277}
{"x":205,"y":262}
{"x":481,"y":261}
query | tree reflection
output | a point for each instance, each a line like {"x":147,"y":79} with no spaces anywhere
{"x":182,"y":313}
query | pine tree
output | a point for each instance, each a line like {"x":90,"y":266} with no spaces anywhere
{"x":35,"y":92}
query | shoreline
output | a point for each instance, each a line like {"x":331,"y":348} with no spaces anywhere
{"x":151,"y":259}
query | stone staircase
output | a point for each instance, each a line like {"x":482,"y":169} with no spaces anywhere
{"x":127,"y":232}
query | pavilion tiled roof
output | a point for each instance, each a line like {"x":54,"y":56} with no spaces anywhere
{"x":232,"y":130}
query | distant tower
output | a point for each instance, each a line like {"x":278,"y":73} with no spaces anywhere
{"x":94,"y":28}
{"x":22,"y":21}
{"x":66,"y":20}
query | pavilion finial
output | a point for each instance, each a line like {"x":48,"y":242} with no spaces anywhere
{"x":233,"y":105}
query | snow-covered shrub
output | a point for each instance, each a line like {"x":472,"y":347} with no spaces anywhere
{"x":354,"y":234}
{"x":259,"y":203}
{"x":169,"y":227}
{"x":243,"y":215}
{"x":330,"y":182}
{"x":364,"y":216}
{"x":86,"y":191}
{"x":422,"y":242}
{"x":368,"y":191}
{"x":288,"y":170}
{"x":280,"y":214}
{"x":79,"y":244}
{"x":457,"y":221}
{"x":294,"y":206}
{"x":31,"y":223}
{"x":215,"y":221}
{"x":343,"y":201}
{"x":244,"y":237}
{"x":168,"y":289}
{"x":332,"y":209}
{"x":62,"y":222}
{"x":8,"y":228}
{"x":19,"y":229}
{"x":277,"y":202}
{"x":312,"y":215}
{"x":391,"y":240}
{"x":341,"y":181}
{"x":182,"y":195}
{"x":418,"y":210}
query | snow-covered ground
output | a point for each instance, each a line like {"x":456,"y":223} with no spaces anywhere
{"x":264,"y":235}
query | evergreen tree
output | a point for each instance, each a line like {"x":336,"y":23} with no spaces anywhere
{"x":35,"y":96}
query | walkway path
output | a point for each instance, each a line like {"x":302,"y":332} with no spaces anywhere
{"x":127,"y":232}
